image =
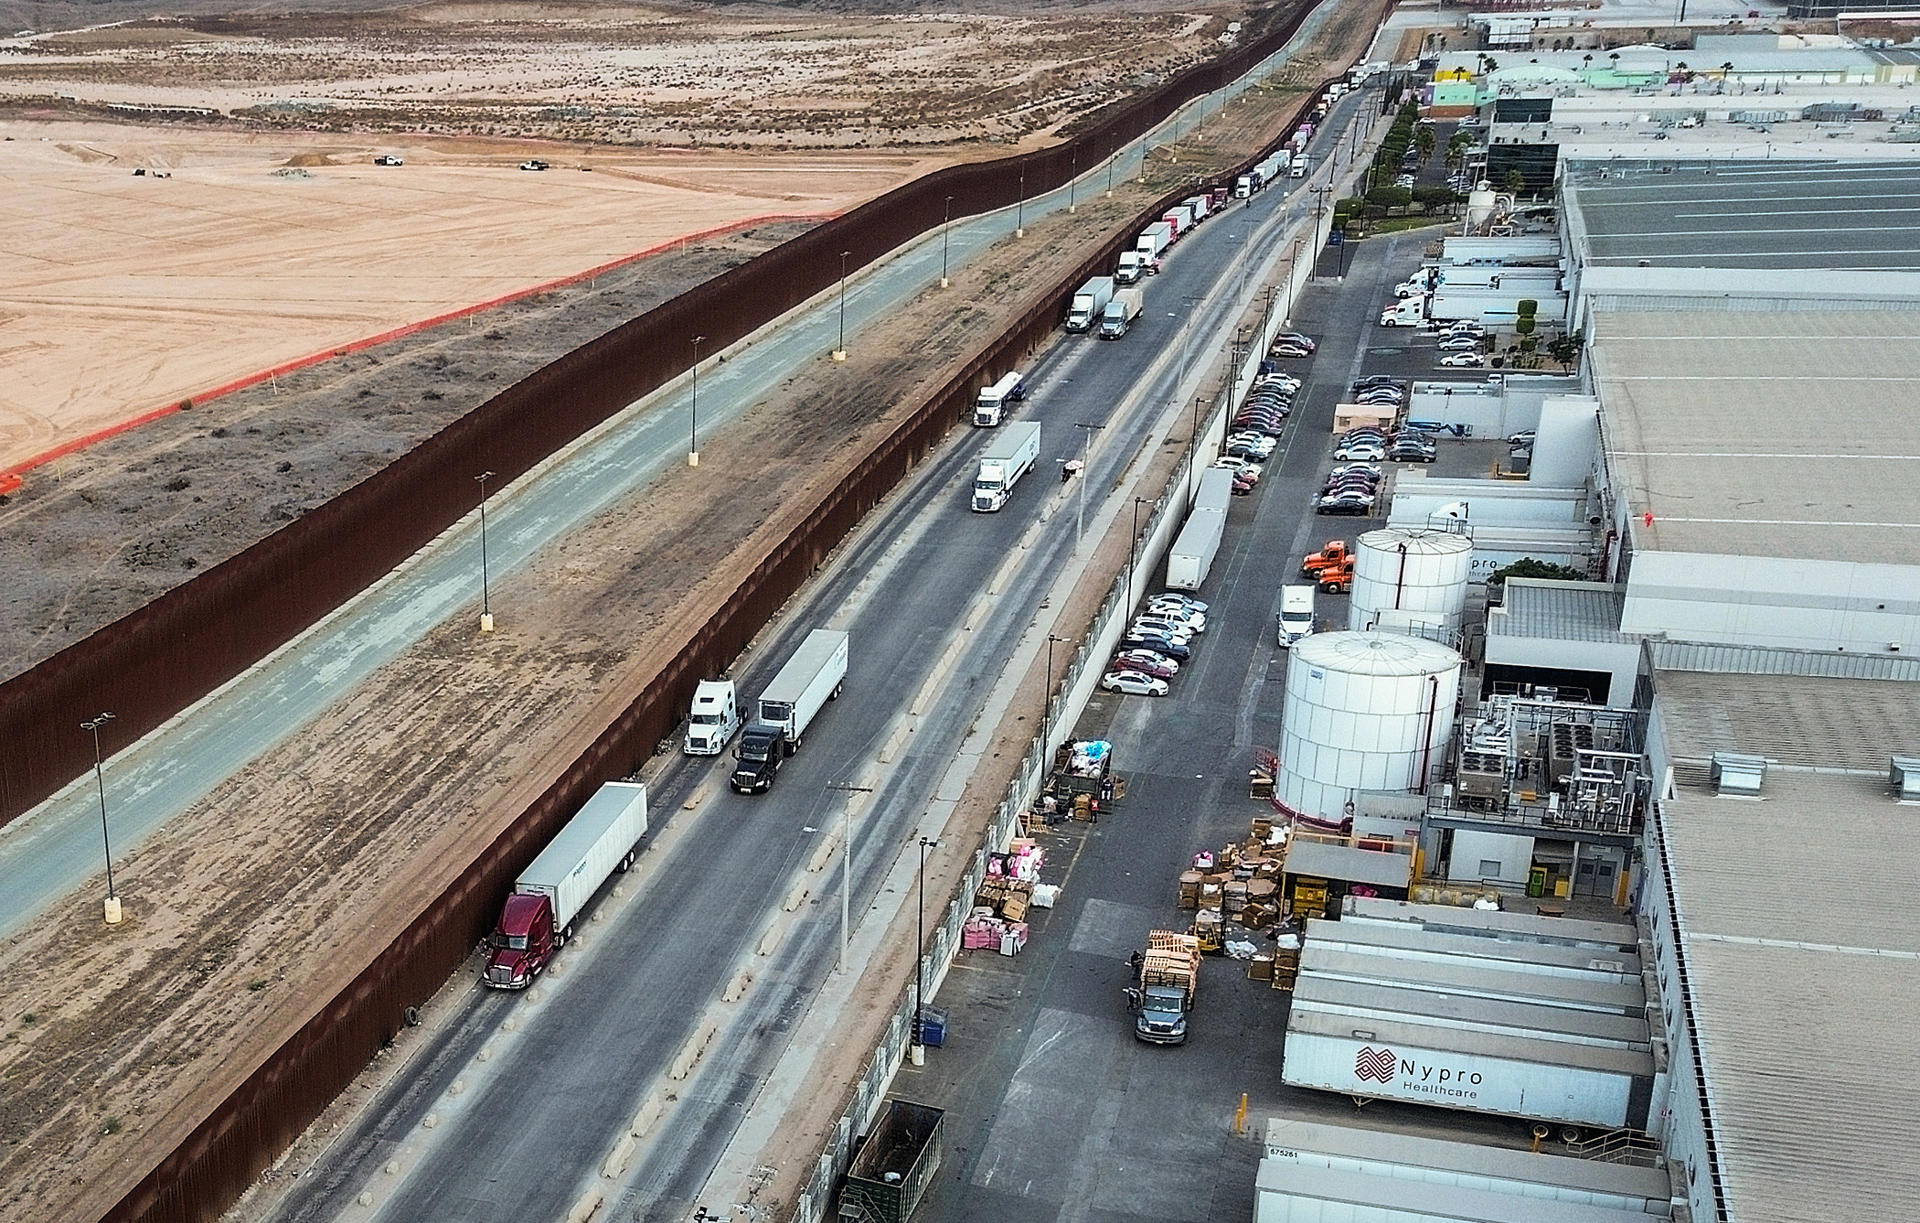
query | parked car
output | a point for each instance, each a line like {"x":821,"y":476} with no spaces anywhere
{"x":1179,"y":613}
{"x":1291,"y":350}
{"x":1373,"y":380}
{"x":1294,"y":337}
{"x":1463,"y":360}
{"x":1158,"y":626}
{"x":1133,"y":683}
{"x":1367,"y":451}
{"x":533,"y":163}
{"x":1145,"y":662}
{"x":1356,"y":469}
{"x":1181,"y":596}
{"x":1522,"y":438}
{"x":1345,"y":503}
{"x":1159,"y":645}
{"x":1411,"y":452}
{"x":1255,"y":446}
{"x":1171,"y":624}
{"x":389,"y":159}
{"x":1461,"y":343}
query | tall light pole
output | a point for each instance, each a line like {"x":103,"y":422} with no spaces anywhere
{"x":1086,"y":473}
{"x":486,"y":603}
{"x":1193,"y":446}
{"x":1046,"y":701}
{"x":1113,"y":155}
{"x":920,"y":956}
{"x":1293,"y":267}
{"x":945,"y":225}
{"x":693,"y":434}
{"x":112,"y":908}
{"x":840,"y":349}
{"x":1133,"y":548}
{"x":1020,"y":213}
{"x":1073,"y":181}
{"x":846,"y":868}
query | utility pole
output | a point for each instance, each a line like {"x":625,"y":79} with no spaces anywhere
{"x":846,"y":868}
{"x":1086,"y":473}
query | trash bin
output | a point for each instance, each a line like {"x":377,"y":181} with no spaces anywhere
{"x":933,"y":1027}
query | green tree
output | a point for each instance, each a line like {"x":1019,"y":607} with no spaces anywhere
{"x":1424,"y":140}
{"x":1566,"y":348}
{"x":1528,"y":567}
{"x":1515,"y":182}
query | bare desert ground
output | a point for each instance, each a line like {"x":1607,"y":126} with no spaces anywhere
{"x":121,"y":294}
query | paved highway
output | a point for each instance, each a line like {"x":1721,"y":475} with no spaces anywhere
{"x":56,"y":848}
{"x":556,"y":1094}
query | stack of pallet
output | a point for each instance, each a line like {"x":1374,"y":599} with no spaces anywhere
{"x":1171,"y":959}
{"x":1007,"y":897}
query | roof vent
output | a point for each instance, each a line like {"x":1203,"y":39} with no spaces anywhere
{"x":1738,"y":775}
{"x":1903,"y":774}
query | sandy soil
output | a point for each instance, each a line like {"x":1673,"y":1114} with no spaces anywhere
{"x":121,"y":294}
{"x":105,"y":1077}
{"x":763,"y":75}
{"x":109,"y":529}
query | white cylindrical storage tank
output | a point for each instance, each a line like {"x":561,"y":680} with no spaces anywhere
{"x":1364,"y":711}
{"x":1482,"y":205}
{"x":1410,"y":580}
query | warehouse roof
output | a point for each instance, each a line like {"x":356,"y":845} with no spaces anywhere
{"x":1560,"y":611}
{"x":1758,"y":434}
{"x":1750,"y":214}
{"x":1494,"y":923}
{"x":1797,"y":720}
{"x":1335,"y":962}
{"x":1310,"y":1139}
{"x":1802,"y":944}
{"x":1325,"y":860}
{"x":1399,"y":938}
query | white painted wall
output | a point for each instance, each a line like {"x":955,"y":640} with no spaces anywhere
{"x":1774,"y":601}
{"x":1568,"y":441}
{"x":1511,"y":856}
{"x":1621,"y":660}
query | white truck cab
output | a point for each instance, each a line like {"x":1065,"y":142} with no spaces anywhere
{"x":714,"y":718}
{"x":1296,"y":614}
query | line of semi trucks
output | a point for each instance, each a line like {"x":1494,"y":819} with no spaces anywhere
{"x":604,"y":836}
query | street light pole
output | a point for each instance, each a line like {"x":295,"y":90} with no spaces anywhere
{"x":1133,"y":547}
{"x":1086,"y":473}
{"x":945,"y":225}
{"x":1073,"y":183}
{"x":486,"y":603}
{"x":693,"y":435}
{"x":1293,"y":268}
{"x":846,"y":868}
{"x":111,"y":910}
{"x":1113,"y":155}
{"x":1193,"y":446}
{"x":1020,"y":212}
{"x":1046,"y":701}
{"x":920,"y":957}
{"x":840,"y":350}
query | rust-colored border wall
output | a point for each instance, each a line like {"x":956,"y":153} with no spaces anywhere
{"x":294,"y":1083}
{"x":156,"y":661}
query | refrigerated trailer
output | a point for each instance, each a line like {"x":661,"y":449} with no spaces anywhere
{"x":1192,"y":553}
{"x":1370,"y":1058}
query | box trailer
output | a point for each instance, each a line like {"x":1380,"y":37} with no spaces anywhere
{"x":1088,"y":303}
{"x":896,"y":1164}
{"x":1121,"y":312}
{"x":602,"y":837}
{"x":1002,"y":464}
{"x":1192,"y":553}
{"x":991,"y":404}
{"x":1537,"y":1080}
{"x":812,"y":677}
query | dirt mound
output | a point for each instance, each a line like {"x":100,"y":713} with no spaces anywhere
{"x":310,"y":159}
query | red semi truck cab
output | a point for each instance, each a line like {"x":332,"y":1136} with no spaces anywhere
{"x":523,"y":941}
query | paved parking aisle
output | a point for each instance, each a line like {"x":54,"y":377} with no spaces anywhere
{"x":1054,"y":1110}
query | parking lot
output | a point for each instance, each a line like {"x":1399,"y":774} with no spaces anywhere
{"x":1054,"y":1110}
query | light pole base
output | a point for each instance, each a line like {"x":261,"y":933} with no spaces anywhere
{"x":839,"y":354}
{"x":944,"y":282}
{"x":1072,"y":208}
{"x":486,"y":622}
{"x":918,"y":1055}
{"x":1020,"y":231}
{"x":112,"y":913}
{"x":693,"y":458}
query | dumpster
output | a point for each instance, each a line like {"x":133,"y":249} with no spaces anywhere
{"x":893,"y":1170}
{"x":933,"y":1027}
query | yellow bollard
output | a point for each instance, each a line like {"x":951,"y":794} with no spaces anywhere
{"x":1240,"y":1117}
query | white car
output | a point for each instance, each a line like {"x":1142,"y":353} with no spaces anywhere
{"x":1460,"y":343}
{"x":1133,"y":683}
{"x":1167,"y":609}
{"x":1469,"y":360}
{"x":1362,"y":451}
{"x":1161,"y":626}
{"x":1181,"y":596}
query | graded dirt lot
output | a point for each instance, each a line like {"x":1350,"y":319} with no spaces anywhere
{"x":108,"y":1074}
{"x":122,"y":294}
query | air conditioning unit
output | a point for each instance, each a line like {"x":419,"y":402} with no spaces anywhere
{"x":1738,"y":775}
{"x":1903,"y":774}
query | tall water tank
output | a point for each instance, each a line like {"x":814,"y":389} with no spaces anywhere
{"x":1364,"y":711}
{"x":1483,"y":203}
{"x":1411,"y":579}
